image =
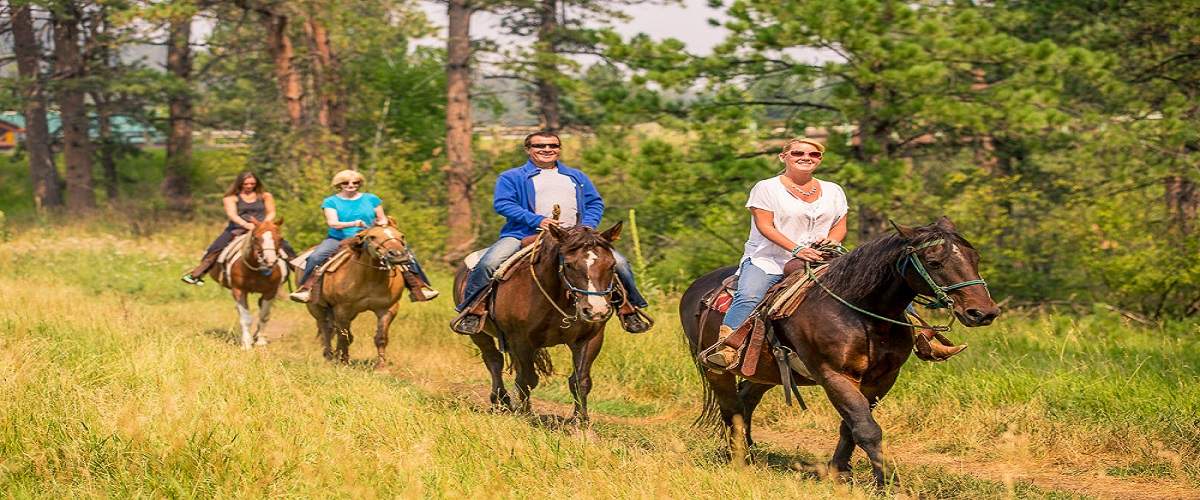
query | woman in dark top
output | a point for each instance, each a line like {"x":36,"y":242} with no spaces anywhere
{"x":245,"y":200}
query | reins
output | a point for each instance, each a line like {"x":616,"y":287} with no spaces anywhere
{"x":940,"y":299}
{"x":567,"y":318}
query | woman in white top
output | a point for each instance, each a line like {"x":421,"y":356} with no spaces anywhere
{"x":791,"y":214}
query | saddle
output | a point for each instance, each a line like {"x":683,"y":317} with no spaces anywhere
{"x":505,"y":270}
{"x":235,"y":250}
{"x":333,"y":264}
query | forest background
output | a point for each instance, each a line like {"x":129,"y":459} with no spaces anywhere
{"x":1059,"y":135}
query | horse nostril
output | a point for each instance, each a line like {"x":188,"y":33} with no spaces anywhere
{"x":974,"y":313}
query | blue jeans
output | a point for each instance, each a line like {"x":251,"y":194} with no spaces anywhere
{"x":501,"y":250}
{"x":753,"y":284}
{"x":322,"y":253}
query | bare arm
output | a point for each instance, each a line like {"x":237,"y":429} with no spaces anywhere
{"x":230,"y":203}
{"x":380,"y":217}
{"x":331,"y":220}
{"x":269,"y":202}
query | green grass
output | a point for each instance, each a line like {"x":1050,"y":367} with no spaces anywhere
{"x":119,"y":381}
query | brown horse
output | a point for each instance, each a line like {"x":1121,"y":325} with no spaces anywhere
{"x":854,"y":357}
{"x":562,"y":296}
{"x":255,"y":271}
{"x":369,"y":280}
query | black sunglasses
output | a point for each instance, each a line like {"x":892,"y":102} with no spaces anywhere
{"x":544,"y":146}
{"x":351,"y":183}
{"x":800,"y":154}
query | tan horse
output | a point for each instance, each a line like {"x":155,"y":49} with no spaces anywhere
{"x":370,"y":280}
{"x":255,"y":271}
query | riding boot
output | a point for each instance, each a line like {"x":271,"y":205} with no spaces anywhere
{"x":725,"y":355}
{"x":634,"y":319}
{"x":305,"y":293}
{"x":418,"y":290}
{"x":470,"y":320}
{"x":196,"y":276}
{"x":930,"y":345}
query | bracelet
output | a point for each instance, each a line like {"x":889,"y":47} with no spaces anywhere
{"x":797,"y":249}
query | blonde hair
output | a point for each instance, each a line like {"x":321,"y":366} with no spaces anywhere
{"x":803,"y":140}
{"x":347,"y":176}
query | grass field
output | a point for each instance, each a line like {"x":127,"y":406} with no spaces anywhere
{"x":120,"y":381}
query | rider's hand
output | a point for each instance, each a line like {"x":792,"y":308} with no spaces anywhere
{"x":809,"y":254}
{"x":248,"y":226}
{"x":825,"y":242}
{"x":546,"y":223}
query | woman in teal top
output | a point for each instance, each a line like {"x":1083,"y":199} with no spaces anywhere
{"x":347,"y":213}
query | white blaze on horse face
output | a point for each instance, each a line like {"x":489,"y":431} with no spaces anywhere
{"x":268,"y":245}
{"x":599,"y":303}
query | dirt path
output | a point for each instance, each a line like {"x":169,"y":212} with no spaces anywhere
{"x":1044,"y":475}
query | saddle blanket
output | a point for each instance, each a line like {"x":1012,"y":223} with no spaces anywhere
{"x":504,"y":271}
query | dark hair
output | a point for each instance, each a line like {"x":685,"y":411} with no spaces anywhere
{"x":236,"y":187}
{"x":541,"y":133}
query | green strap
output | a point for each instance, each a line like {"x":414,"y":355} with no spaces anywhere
{"x":844,"y":302}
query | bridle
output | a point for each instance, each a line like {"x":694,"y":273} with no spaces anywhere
{"x":573,"y":292}
{"x":262,"y":267}
{"x":374,"y":249}
{"x":940,"y":299}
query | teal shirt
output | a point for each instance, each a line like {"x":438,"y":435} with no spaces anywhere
{"x":361,"y":208}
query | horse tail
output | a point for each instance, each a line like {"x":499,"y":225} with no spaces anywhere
{"x":692,"y":316}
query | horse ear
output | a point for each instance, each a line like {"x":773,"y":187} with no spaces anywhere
{"x":556,"y":232}
{"x":944,"y":223}
{"x":359,"y":240}
{"x":613,"y":233}
{"x":392,"y":221}
{"x":253,"y":220}
{"x":278,"y":221}
{"x":903,"y":231}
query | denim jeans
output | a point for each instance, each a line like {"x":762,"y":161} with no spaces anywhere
{"x":753,"y":284}
{"x":322,"y":253}
{"x":507,"y":246}
{"x":415,"y":267}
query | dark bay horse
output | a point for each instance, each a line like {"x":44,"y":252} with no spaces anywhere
{"x":369,"y":280}
{"x":854,"y":357}
{"x":561,"y":297}
{"x":256,"y":270}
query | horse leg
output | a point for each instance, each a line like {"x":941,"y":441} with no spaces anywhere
{"x":325,"y":330}
{"x":493,"y":359}
{"x":341,"y":327}
{"x":583,"y":354}
{"x":383,"y":323}
{"x":244,"y":317}
{"x":855,"y":409}
{"x":264,"y":315}
{"x":751,"y":393}
{"x":527,"y":377}
{"x":733,"y":415}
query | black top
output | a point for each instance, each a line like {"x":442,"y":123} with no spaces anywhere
{"x":256,"y":210}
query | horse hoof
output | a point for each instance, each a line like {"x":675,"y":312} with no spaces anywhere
{"x":261,"y":341}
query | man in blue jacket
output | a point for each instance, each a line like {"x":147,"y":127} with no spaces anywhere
{"x":525,"y":197}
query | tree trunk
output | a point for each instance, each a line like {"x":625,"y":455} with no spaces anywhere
{"x":460,"y":168}
{"x":546,"y":51}
{"x":77,"y":147}
{"x":175,"y":187}
{"x":106,"y":148}
{"x":327,"y":85}
{"x":286,"y":75}
{"x":47,"y":187}
{"x":1182,"y":202}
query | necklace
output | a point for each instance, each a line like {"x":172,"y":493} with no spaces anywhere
{"x":803,"y":192}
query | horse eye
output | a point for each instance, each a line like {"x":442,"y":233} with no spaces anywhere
{"x":934,"y":264}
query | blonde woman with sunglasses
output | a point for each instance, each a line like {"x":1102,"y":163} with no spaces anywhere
{"x":791,"y":214}
{"x":346,"y":213}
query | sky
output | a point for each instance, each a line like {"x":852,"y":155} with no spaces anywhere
{"x":687,"y":21}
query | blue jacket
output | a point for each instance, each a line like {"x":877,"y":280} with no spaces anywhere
{"x":514,"y":199}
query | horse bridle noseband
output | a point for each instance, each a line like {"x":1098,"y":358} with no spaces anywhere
{"x":385,"y":264}
{"x":249,"y":249}
{"x":573,"y":290}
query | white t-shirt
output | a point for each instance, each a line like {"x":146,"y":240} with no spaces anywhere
{"x":800,"y":221}
{"x":553,"y":188}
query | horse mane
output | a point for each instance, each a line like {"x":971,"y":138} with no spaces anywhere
{"x":855,"y":275}
{"x":580,"y":236}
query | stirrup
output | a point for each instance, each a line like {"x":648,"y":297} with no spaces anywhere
{"x":467,"y":324}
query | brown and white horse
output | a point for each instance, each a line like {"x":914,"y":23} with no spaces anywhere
{"x":256,"y":270}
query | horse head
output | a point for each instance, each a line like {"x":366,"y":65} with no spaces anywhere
{"x":384,"y":243}
{"x":265,"y":241}
{"x":587,"y":267}
{"x":938,"y":262}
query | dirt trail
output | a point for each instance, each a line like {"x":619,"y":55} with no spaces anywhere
{"x":1045,"y":475}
